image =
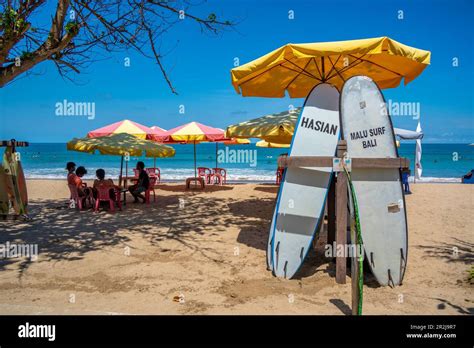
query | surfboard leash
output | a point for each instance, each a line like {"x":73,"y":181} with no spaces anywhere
{"x":359,"y":241}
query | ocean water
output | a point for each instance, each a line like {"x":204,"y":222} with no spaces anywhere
{"x":441,"y":162}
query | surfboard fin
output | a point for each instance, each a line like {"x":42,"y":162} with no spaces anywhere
{"x":276,"y":253}
{"x":402,"y":265}
{"x":390,"y":280}
{"x":372,"y":259}
{"x":302,"y":253}
{"x":284,"y":268}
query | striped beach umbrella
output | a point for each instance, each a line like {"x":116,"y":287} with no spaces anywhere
{"x":159,"y":129}
{"x":195,"y":132}
{"x":274,"y":128}
{"x":159,"y":134}
{"x":125,"y":126}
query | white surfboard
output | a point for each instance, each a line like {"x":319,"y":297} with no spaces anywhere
{"x":368,"y":130}
{"x":300,"y":204}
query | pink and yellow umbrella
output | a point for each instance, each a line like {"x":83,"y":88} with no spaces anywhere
{"x":132,"y":128}
{"x":159,"y":134}
{"x":126,"y":126}
{"x":195,"y":132}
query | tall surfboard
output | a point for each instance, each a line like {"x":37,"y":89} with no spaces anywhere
{"x":368,"y":130}
{"x":300,"y":204}
{"x":15,"y":181}
{"x":4,"y":200}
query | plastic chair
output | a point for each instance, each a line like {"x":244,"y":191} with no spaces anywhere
{"x":219,"y":175}
{"x":279,"y":175}
{"x":280,"y":170}
{"x":154,"y":172}
{"x":151,"y":188}
{"x":205,"y":173}
{"x":75,"y":196}
{"x":103,"y":195}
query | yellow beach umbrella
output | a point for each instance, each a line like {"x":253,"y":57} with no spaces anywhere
{"x":275,"y":128}
{"x":121,"y":144}
{"x":236,"y":141}
{"x":297,"y":68}
{"x":263,"y":143}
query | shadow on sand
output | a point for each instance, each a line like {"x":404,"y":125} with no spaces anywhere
{"x":62,"y":233}
{"x":182,"y":188}
{"x":459,"y":252}
{"x":268,"y":189}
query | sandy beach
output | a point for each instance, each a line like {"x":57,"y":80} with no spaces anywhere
{"x":208,"y":257}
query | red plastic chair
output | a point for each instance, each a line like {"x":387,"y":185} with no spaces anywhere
{"x":280,"y":170}
{"x":103,"y":195}
{"x":205,"y":173}
{"x":75,"y":196}
{"x":279,"y":175}
{"x":151,"y":188}
{"x":219,"y":175}
{"x":154,"y":172}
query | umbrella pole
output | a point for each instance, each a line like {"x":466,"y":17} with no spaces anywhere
{"x":126,"y":173}
{"x":414,"y":166}
{"x":121,"y":169}
{"x":195,"y":174}
{"x":217,"y":146}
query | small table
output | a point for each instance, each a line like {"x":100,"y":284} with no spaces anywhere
{"x":196,"y":180}
{"x":124,"y":191}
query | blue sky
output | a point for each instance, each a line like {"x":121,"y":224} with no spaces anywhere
{"x":199,"y":66}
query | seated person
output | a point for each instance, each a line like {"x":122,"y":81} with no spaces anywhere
{"x":142,"y":184}
{"x":70,"y":167}
{"x":82,"y":188}
{"x":100,"y":174}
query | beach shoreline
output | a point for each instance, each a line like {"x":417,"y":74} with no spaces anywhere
{"x":269,"y":182}
{"x":208,"y":257}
